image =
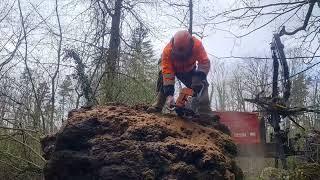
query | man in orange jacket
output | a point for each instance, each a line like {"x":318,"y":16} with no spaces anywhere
{"x":183,"y":57}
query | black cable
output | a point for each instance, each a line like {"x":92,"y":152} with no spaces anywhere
{"x":296,"y":74}
{"x":261,"y":58}
{"x":266,"y":58}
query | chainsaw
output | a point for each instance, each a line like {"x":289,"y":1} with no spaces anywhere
{"x":187,"y":103}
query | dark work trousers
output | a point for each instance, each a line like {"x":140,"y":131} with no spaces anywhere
{"x":185,"y":78}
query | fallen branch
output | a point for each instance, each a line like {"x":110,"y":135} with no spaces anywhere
{"x":269,"y":106}
{"x":296,"y":123}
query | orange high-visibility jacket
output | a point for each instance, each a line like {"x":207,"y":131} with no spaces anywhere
{"x":170,"y":66}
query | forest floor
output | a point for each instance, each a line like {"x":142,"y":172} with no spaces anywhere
{"x":121,"y":142}
{"x":259,"y":168}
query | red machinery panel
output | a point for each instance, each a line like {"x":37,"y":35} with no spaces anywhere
{"x":244,"y":126}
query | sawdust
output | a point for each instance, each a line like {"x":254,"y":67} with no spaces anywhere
{"x":121,"y":142}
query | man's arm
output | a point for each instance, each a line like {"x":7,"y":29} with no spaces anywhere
{"x":203,"y":60}
{"x":167,"y":72}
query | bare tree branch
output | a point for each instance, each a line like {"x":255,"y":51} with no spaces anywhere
{"x":27,"y":67}
{"x":305,"y":23}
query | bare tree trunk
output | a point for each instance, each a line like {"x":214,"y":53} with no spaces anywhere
{"x":113,"y":51}
{"x":315,"y":102}
{"x":190,"y":16}
{"x":53,"y":79}
{"x":211,"y":94}
{"x":79,"y":95}
{"x":38,"y":105}
{"x":221,"y":89}
{"x":114,"y":43}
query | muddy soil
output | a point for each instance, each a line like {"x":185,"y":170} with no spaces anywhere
{"x":122,"y":142}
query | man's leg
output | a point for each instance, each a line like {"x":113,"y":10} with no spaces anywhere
{"x":157,"y":106}
{"x":204,"y":103}
{"x":185,"y":78}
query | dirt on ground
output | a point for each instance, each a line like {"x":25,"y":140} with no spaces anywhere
{"x":121,"y":142}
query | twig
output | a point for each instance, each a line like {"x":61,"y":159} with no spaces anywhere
{"x":175,"y":4}
{"x":29,"y":147}
{"x":305,"y":23}
{"x":297,"y":124}
{"x":123,"y":74}
{"x":22,"y":159}
{"x":18,"y":129}
{"x":1,"y":161}
{"x":27,"y":66}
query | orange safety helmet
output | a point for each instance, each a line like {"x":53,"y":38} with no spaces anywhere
{"x":182,"y":44}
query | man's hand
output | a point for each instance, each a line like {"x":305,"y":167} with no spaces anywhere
{"x":170,"y":102}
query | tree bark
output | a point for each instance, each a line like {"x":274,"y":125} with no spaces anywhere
{"x":38,"y":105}
{"x":53,"y":79}
{"x":190,"y":16}
{"x":114,"y":43}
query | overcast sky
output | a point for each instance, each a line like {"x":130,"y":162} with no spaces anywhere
{"x":218,"y":41}
{"x":163,"y":23}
